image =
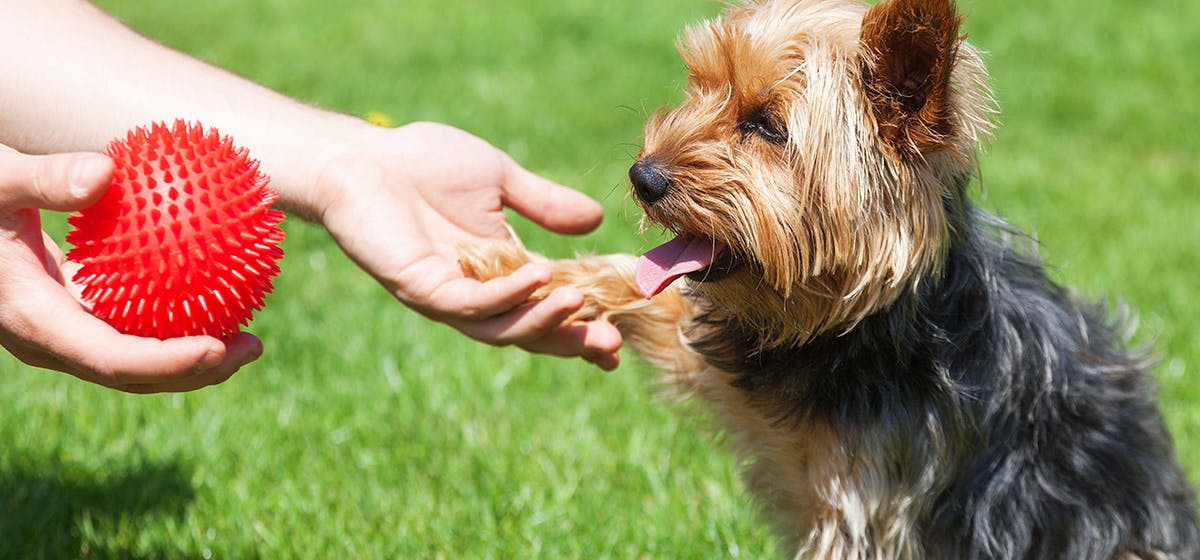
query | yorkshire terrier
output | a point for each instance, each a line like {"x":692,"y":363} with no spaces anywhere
{"x":901,"y":374}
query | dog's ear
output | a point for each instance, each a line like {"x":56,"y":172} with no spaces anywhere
{"x":908,"y":51}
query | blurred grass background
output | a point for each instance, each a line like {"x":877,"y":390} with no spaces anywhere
{"x":367,"y":432}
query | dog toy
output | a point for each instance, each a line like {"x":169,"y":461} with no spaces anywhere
{"x":184,"y":241}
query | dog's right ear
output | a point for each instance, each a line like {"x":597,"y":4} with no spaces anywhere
{"x":908,"y":51}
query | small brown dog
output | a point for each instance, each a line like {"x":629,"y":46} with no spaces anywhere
{"x":906,"y":381}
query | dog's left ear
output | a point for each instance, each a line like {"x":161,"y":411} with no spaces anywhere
{"x":908,"y":51}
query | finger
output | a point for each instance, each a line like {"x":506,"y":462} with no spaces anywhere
{"x":53,"y":258}
{"x":528,"y":322}
{"x":240,"y":349}
{"x":606,"y":362}
{"x":173,"y":364}
{"x":92,"y":350}
{"x":550,"y":205}
{"x":62,"y":182}
{"x":53,"y":251}
{"x":594,"y":341}
{"x":472,"y":300}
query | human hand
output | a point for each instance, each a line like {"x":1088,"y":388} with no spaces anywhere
{"x":42,"y":321}
{"x":401,"y":204}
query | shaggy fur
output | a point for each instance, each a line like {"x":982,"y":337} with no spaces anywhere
{"x":903,"y":376}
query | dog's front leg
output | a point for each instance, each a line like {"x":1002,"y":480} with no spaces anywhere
{"x":654,"y":328}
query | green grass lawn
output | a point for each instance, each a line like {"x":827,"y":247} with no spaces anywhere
{"x":367,"y":432}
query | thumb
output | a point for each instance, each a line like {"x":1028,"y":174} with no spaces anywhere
{"x":550,"y":205}
{"x":62,"y":182}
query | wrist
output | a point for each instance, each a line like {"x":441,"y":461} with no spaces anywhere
{"x":303,"y":162}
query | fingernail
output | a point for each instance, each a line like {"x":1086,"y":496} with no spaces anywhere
{"x":84,"y":174}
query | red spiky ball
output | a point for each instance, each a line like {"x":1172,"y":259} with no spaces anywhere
{"x":184,"y":241}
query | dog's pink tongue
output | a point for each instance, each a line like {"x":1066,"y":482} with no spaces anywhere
{"x":663,"y":264}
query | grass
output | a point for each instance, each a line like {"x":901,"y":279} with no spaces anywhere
{"x":368,"y":432}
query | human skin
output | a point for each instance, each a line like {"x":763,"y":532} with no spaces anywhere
{"x":397,"y":201}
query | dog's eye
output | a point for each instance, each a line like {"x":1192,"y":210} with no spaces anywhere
{"x":763,"y":125}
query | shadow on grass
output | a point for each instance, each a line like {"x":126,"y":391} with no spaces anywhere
{"x":43,"y":512}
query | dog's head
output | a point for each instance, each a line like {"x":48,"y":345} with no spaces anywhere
{"x":809,"y":171}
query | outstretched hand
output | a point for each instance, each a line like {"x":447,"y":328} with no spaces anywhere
{"x":42,"y":321}
{"x":401,"y":206}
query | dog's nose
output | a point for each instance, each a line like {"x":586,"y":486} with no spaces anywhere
{"x":648,"y":181}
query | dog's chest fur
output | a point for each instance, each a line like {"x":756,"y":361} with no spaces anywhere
{"x":843,"y":432}
{"x":827,"y":499}
{"x":925,"y":430}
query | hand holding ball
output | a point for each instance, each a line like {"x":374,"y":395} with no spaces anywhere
{"x":184,"y":242}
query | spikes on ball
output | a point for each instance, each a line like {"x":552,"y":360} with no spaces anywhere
{"x":184,"y":242}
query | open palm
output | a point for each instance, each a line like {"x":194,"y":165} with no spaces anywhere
{"x":402,"y":206}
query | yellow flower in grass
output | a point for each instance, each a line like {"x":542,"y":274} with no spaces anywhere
{"x":378,"y":118}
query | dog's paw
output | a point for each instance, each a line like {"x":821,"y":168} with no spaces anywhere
{"x":605,"y":280}
{"x":491,"y":259}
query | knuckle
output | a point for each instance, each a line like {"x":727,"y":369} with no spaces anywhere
{"x":488,"y":334}
{"x":525,"y":335}
{"x":104,"y":368}
{"x":45,"y":178}
{"x":471,"y":312}
{"x":474,"y":311}
{"x":500,"y":339}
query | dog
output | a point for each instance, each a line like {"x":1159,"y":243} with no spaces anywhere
{"x":901,"y":374}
